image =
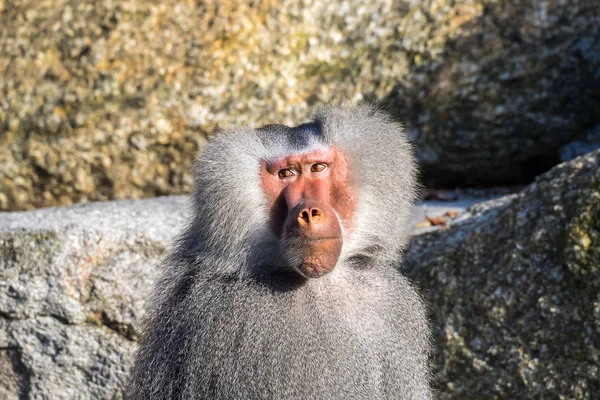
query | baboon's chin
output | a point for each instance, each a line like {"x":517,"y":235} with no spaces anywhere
{"x":314,"y":258}
{"x":309,"y":270}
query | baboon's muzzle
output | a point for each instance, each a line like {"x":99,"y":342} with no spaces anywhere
{"x":312,"y":239}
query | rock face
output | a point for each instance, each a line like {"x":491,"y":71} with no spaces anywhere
{"x":497,"y":100}
{"x":72,"y":285}
{"x":514,"y":291}
{"x":576,"y":148}
{"x":112,"y":99}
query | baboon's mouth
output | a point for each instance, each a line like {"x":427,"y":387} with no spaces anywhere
{"x":313,"y":257}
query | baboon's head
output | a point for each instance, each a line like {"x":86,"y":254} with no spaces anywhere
{"x":332,"y":193}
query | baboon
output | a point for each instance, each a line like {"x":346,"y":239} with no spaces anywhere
{"x":285,"y":284}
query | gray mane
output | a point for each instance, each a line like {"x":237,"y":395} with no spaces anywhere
{"x":231,"y":217}
{"x":223,"y":324}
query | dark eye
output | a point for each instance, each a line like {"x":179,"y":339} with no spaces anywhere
{"x":318,"y":167}
{"x":285,"y":173}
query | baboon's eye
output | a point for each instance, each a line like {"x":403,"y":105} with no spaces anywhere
{"x":318,"y":167}
{"x":285,"y":173}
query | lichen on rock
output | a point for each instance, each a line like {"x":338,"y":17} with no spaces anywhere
{"x":112,"y":100}
{"x":73,"y":282}
{"x":514,"y":293}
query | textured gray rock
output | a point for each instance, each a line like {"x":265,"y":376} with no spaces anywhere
{"x":576,"y":148}
{"x":497,"y":100}
{"x":112,"y":99}
{"x":72,"y":286}
{"x":514,"y":290}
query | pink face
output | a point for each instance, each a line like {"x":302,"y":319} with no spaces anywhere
{"x":306,"y":194}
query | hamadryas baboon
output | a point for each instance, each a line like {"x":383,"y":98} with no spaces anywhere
{"x":286,"y":283}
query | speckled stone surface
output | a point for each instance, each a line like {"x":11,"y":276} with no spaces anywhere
{"x":72,"y":286}
{"x":112,"y":99}
{"x":495,"y":99}
{"x":514,"y":291}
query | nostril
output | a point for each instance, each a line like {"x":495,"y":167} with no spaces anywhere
{"x":315,"y":212}
{"x":304,"y":215}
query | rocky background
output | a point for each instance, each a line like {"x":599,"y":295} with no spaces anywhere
{"x":72,"y":287}
{"x":109,"y":99}
{"x":513,"y":287}
{"x":112,"y":99}
{"x":514,"y":291}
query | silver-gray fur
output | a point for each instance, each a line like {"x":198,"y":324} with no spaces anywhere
{"x":224,"y":324}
